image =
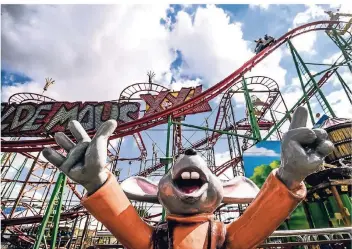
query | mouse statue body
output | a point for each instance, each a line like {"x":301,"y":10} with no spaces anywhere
{"x":190,"y":193}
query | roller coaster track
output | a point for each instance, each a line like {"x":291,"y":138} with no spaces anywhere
{"x":69,"y":182}
{"x":140,"y":144}
{"x":38,"y":218}
{"x":242,"y":124}
{"x":20,"y":98}
{"x":149,"y":121}
{"x":221,"y":169}
{"x":215,"y":136}
{"x":273,"y":90}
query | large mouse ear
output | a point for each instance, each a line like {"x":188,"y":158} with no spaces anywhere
{"x":139,"y":188}
{"x":239,"y":190}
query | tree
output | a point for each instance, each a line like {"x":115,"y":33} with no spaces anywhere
{"x":262,"y":171}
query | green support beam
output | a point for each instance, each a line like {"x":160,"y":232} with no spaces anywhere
{"x":218,"y":131}
{"x":167,"y":154}
{"x":306,"y":98}
{"x":345,"y":87}
{"x":299,"y":60}
{"x":58,"y":213}
{"x":250,"y":108}
{"x":55,"y":205}
{"x":342,"y":45}
{"x":285,"y":117}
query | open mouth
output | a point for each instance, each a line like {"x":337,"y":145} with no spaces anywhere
{"x":189,"y":181}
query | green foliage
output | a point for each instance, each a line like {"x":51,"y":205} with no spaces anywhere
{"x":262,"y":171}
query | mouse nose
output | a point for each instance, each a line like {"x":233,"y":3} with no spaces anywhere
{"x":190,"y":152}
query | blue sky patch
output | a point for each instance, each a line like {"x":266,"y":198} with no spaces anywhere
{"x":9,"y":78}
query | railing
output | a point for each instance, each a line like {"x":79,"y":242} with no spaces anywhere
{"x":308,"y":237}
{"x":304,"y":238}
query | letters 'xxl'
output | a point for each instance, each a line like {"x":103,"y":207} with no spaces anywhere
{"x":166,"y":99}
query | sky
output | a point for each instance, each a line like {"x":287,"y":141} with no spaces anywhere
{"x":94,"y":51}
{"x":262,"y":153}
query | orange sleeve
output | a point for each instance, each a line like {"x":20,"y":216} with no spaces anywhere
{"x":110,"y":206}
{"x":270,"y":208}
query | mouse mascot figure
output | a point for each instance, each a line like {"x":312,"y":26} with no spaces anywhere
{"x":190,"y":193}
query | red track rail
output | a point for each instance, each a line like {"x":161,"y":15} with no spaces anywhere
{"x":69,"y":182}
{"x":140,"y":144}
{"x":221,"y":169}
{"x":321,"y":82}
{"x":226,"y":100}
{"x":39,"y":218}
{"x":161,"y":117}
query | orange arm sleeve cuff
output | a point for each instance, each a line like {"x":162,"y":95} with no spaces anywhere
{"x":270,"y":208}
{"x":110,"y":206}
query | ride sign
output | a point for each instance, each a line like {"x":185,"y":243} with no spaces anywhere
{"x":167,"y":99}
{"x":32,"y":119}
{"x":46,"y":118}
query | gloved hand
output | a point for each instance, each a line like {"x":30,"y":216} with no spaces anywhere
{"x":85,"y":160}
{"x":302,"y":151}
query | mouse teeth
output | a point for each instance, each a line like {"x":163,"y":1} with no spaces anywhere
{"x":190,"y":175}
{"x":195,"y":175}
{"x":186,"y":175}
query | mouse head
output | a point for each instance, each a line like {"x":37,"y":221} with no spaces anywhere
{"x":190,"y":188}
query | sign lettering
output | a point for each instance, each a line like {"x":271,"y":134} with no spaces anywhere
{"x":31,"y":119}
{"x":166,"y":99}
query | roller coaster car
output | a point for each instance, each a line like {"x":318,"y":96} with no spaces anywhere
{"x":264,"y":44}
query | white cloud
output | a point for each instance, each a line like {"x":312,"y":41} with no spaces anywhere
{"x":296,"y":82}
{"x":89,"y":50}
{"x":260,"y":151}
{"x":306,"y":42}
{"x":220,"y":159}
{"x":270,"y":67}
{"x":260,"y":6}
{"x":312,"y":12}
{"x":340,"y":104}
{"x":35,"y":87}
{"x":207,"y":45}
{"x":176,"y":86}
{"x":346,"y":76}
{"x":332,"y":59}
{"x":206,"y":40}
{"x":292,"y":95}
{"x":98,"y":61}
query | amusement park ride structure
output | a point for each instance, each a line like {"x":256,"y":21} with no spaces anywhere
{"x":41,"y":207}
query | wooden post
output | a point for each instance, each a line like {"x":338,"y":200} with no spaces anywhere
{"x":345,"y":216}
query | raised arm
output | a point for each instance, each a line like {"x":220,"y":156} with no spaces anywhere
{"x":270,"y":208}
{"x":105,"y":199}
{"x":302,"y":152}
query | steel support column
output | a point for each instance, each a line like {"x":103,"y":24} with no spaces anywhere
{"x":167,"y":154}
{"x":250,"y":108}
{"x":302,"y":68}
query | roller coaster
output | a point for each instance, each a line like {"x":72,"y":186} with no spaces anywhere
{"x":41,"y":207}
